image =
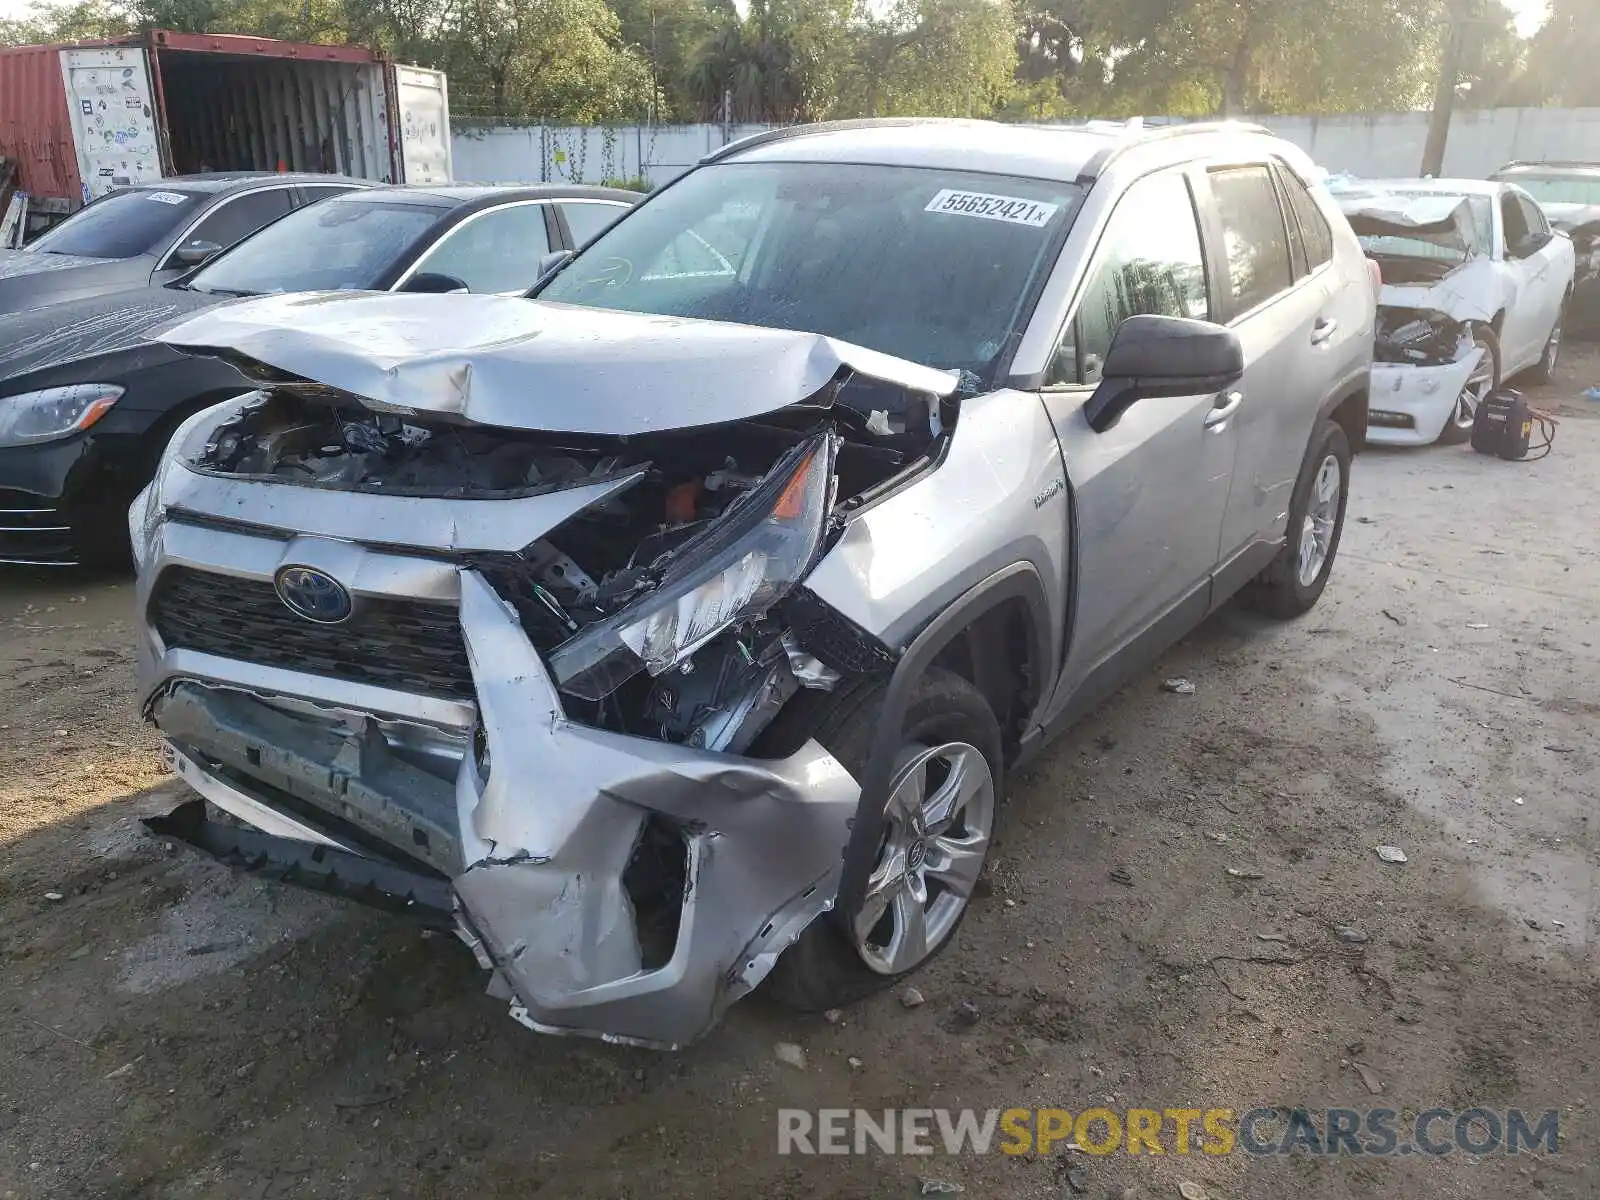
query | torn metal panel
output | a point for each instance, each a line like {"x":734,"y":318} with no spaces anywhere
{"x":1438,"y":217}
{"x":523,"y":364}
{"x":1421,"y":396}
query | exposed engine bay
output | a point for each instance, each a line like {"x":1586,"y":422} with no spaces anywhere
{"x":681,"y":500}
{"x":1421,"y":338}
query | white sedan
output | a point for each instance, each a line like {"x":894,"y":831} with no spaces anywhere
{"x":1475,"y":283}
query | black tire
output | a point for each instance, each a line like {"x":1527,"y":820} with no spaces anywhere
{"x":1544,"y":370}
{"x":1278,"y":592}
{"x":822,"y":969}
{"x":1453,"y":433}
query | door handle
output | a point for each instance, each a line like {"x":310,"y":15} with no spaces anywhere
{"x":1323,"y":330}
{"x":1226,"y":405}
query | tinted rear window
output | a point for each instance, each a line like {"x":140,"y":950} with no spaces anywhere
{"x":122,"y":225}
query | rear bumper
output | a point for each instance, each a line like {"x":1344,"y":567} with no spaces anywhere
{"x":1409,"y":405}
{"x":616,"y":886}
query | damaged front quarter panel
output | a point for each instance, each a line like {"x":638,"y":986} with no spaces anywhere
{"x":550,"y":829}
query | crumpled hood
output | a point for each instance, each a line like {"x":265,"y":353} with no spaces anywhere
{"x":73,"y":330}
{"x":526,"y":364}
{"x":1442,"y":218}
{"x":27,"y":262}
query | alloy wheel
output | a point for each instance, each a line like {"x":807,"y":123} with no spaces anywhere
{"x":1476,"y":390}
{"x":936,"y":832}
{"x":1322,"y":518}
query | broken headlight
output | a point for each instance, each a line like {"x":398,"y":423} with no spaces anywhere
{"x":737,"y":569}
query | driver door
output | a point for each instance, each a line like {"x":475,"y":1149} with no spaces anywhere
{"x":1151,"y":491}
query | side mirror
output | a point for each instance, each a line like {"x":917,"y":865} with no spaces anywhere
{"x":192,"y":254}
{"x":548,"y":266}
{"x":432,"y":283}
{"x":1163,"y":356}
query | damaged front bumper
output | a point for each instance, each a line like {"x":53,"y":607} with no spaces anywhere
{"x":616,"y":885}
{"x":1410,"y":404}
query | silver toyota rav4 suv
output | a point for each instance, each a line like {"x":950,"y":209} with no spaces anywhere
{"x":675,"y":628}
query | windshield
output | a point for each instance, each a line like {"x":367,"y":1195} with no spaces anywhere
{"x":1552,"y":189}
{"x":931,"y":266}
{"x":121,"y":225}
{"x":342,"y":244}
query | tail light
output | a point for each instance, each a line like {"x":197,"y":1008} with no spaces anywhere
{"x":1376,"y":272}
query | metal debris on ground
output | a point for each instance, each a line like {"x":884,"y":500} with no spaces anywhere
{"x":1191,"y":1190}
{"x":1477,"y":625}
{"x":911,"y":997}
{"x":1391,"y":854}
{"x":1369,"y":1077}
{"x":790,"y":1054}
{"x":1349,"y":933}
{"x":54,"y":896}
{"x":1178,"y":687}
{"x":1238,"y":874}
{"x":938,"y":1187}
{"x":1395,"y":617}
{"x":1122,"y":875}
{"x":1518,"y":800}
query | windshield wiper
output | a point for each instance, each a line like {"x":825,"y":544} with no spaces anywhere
{"x":220,"y":291}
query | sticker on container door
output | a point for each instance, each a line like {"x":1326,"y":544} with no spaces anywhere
{"x":987,"y":207}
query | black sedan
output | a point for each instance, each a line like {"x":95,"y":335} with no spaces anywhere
{"x":153,"y":233}
{"x":87,"y":401}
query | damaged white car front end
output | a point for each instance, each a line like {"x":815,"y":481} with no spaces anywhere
{"x":1432,"y":362}
{"x":446,"y":615}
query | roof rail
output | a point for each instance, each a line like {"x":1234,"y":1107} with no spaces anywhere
{"x":1548,"y":162}
{"x":795,"y":131}
{"x":1154,"y":133}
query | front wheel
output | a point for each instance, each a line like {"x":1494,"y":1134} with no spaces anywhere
{"x":1545,"y":369}
{"x":1485,"y":378}
{"x":1295,"y":579}
{"x":937,"y":826}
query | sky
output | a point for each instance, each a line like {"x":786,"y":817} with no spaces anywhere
{"x":1530,"y":13}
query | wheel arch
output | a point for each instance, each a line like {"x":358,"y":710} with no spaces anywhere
{"x":1011,"y":602}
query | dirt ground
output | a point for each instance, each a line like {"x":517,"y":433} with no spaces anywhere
{"x":171,"y":1030}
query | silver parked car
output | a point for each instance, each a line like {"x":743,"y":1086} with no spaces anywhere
{"x":677,"y":629}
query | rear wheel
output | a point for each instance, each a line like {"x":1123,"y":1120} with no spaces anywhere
{"x":1295,"y":579}
{"x":1485,"y":378}
{"x":937,"y":826}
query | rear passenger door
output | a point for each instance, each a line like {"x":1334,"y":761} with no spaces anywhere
{"x":1282,"y":310}
{"x":1149,"y":492}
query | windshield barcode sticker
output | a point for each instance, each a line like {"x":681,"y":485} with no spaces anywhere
{"x":167,"y":197}
{"x":992,"y":208}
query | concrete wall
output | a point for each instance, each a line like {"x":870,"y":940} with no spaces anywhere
{"x":1372,"y":144}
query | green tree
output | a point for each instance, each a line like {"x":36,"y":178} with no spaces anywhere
{"x":1564,"y":53}
{"x":74,"y":22}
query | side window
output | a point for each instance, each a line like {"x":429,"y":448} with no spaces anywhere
{"x":1533,"y":216}
{"x":1148,"y":261}
{"x":590,"y":219}
{"x":1314,"y":232}
{"x":1516,"y":224}
{"x":311,"y":193}
{"x":496,"y":251}
{"x":1255,"y":237}
{"x":234,"y":220}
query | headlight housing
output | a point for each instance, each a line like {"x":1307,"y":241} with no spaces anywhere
{"x":737,"y":569}
{"x":52,"y":413}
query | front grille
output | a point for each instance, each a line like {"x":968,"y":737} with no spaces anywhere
{"x":405,"y":645}
{"x":32,"y":533}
